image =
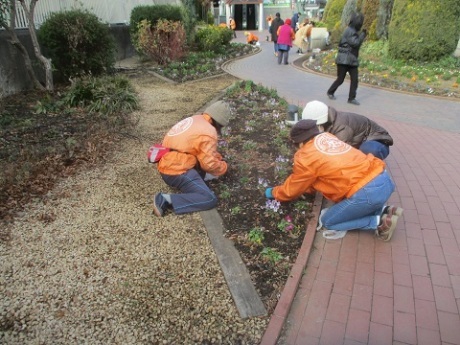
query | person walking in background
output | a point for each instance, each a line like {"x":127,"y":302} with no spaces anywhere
{"x":311,"y":25}
{"x":285,"y":37}
{"x":269,"y":25}
{"x":192,"y":159}
{"x":347,"y":57}
{"x":358,"y":184}
{"x":301,"y":37}
{"x":232,"y":25}
{"x":295,"y":21}
{"x":276,"y":23}
{"x":356,"y":130}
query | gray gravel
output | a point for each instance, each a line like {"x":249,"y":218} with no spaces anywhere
{"x":90,"y":264}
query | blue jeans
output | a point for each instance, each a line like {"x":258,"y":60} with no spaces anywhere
{"x":360,"y":211}
{"x":378,"y":149}
{"x":196,"y":195}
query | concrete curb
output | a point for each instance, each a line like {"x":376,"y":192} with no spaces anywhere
{"x":281,"y":312}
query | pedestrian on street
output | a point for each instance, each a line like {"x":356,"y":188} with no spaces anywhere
{"x":358,"y":184}
{"x":286,"y":36}
{"x":347,"y":57}
{"x":356,"y":130}
{"x":276,"y":23}
{"x":232,"y":26}
{"x":193,"y":159}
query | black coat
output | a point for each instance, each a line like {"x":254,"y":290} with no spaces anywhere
{"x":276,"y":23}
{"x":350,"y":43}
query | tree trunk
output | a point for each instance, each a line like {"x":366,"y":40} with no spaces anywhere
{"x":33,"y":35}
{"x":457,"y":50}
{"x":20,"y":47}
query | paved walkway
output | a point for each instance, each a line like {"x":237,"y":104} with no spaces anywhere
{"x":359,"y":290}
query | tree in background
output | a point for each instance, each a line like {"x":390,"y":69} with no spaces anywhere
{"x":369,"y":10}
{"x":424,"y":30}
{"x":333,"y":18}
{"x":8,"y":22}
{"x":349,"y":8}
{"x":383,"y":18}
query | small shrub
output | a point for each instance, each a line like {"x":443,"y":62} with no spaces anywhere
{"x":77,"y":43}
{"x":213,"y":38}
{"x":107,"y":96}
{"x":164,"y":42}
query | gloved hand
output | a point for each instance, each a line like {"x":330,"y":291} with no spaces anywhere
{"x":209,"y":177}
{"x":269,"y":193}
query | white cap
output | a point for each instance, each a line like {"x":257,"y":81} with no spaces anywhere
{"x":316,"y":110}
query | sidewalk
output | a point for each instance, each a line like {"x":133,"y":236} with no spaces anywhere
{"x":359,"y":290}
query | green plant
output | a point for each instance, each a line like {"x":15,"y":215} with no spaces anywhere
{"x":213,"y":38}
{"x":249,"y":145}
{"x":77,"y":43}
{"x":225,"y":193}
{"x":106,"y":95}
{"x":256,"y":235}
{"x":271,"y":255}
{"x":235,"y":210}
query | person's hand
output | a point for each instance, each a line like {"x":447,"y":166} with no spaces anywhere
{"x":269,"y":193}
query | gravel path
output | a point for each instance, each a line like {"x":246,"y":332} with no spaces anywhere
{"x":91,"y":264}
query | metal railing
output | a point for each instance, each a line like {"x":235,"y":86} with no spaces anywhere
{"x":108,"y":11}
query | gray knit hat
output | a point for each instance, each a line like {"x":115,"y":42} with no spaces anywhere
{"x":220,"y":112}
{"x":303,"y":131}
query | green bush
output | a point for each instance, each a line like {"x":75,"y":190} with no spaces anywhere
{"x":333,"y":18}
{"x":213,"y":38}
{"x":153,"y":13}
{"x":105,"y":96}
{"x":77,"y":43}
{"x":424,"y":30}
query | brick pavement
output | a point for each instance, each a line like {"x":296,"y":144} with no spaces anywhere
{"x":359,"y":290}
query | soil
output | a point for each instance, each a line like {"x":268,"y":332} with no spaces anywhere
{"x":255,"y":146}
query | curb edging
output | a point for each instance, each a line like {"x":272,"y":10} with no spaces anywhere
{"x":280,"y":314}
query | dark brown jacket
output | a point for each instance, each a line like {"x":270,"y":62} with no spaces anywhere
{"x":354,"y":129}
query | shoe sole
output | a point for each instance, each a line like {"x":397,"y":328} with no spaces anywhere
{"x":389,"y":234}
{"x":398,"y":212}
{"x":156,"y":211}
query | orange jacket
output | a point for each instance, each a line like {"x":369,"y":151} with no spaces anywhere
{"x":193,"y":140}
{"x":232,"y":24}
{"x":252,"y":38}
{"x":331,"y":167}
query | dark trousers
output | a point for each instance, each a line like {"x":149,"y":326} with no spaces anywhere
{"x":283,"y":56}
{"x":195,"y":194}
{"x":341,"y":73}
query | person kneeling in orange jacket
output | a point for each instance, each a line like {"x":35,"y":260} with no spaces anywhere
{"x":357,"y":183}
{"x":251,"y":38}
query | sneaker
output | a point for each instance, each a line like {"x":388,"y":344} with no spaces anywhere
{"x":353,"y":101}
{"x":387,"y":227}
{"x":159,"y":205}
{"x":331,"y":96}
{"x":392,"y":210}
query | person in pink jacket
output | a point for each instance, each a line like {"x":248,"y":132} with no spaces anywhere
{"x":285,"y":37}
{"x":192,"y":160}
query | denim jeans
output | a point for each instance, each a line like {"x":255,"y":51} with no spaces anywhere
{"x":378,"y":149}
{"x":195,"y":196}
{"x":362,"y":209}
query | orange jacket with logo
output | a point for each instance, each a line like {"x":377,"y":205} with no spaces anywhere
{"x":251,"y":38}
{"x":331,"y":167}
{"x":193,"y":140}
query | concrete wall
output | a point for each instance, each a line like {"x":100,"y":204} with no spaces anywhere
{"x":13,"y":74}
